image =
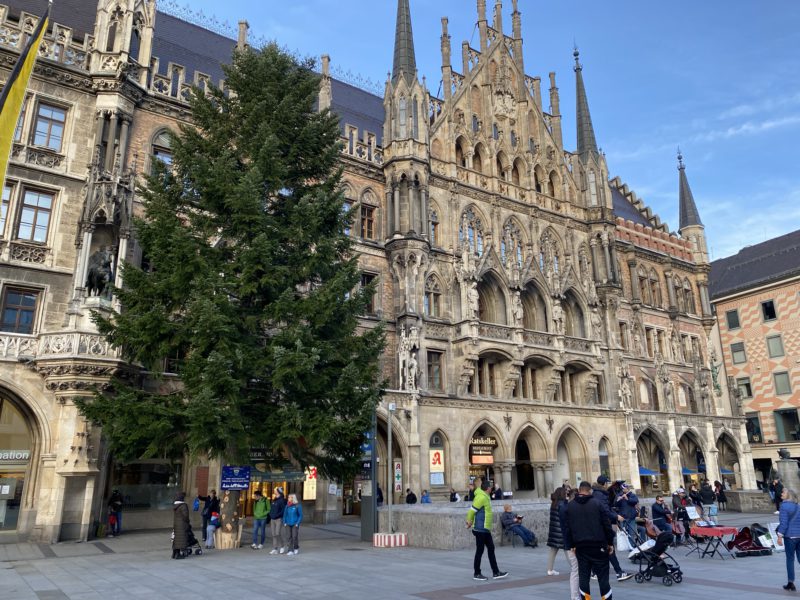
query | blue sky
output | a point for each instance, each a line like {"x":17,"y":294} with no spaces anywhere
{"x":717,"y":78}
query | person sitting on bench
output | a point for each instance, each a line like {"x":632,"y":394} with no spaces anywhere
{"x":513,"y":523}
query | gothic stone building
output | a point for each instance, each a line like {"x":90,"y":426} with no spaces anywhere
{"x":543,"y":324}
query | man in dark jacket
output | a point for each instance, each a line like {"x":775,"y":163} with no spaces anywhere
{"x":276,"y":520}
{"x":210,"y":505}
{"x":600,"y":493}
{"x":589,"y":535}
{"x":411,"y":497}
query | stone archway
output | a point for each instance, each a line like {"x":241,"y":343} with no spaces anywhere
{"x":653,"y":462}
{"x":530,"y":454}
{"x":399,"y":452}
{"x":693,"y":467}
{"x":572,"y":463}
{"x":728,"y":460}
{"x":487,"y":456}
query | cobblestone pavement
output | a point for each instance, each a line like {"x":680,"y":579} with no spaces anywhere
{"x":334,"y":563}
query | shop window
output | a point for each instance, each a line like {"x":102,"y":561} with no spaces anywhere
{"x":732,"y":316}
{"x":775,"y":346}
{"x":744,"y":387}
{"x":368,"y":222}
{"x":435,"y":363}
{"x":34,"y":220}
{"x":147,"y":485}
{"x":738,"y":353}
{"x":753,"y":426}
{"x":783,"y":385}
{"x":768,"y":310}
{"x":19,"y":310}
{"x":49,"y":131}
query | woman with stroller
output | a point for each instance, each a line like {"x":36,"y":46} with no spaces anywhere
{"x":789,"y":530}
{"x":556,"y":542}
{"x":180,"y":526}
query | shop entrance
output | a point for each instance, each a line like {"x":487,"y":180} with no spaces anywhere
{"x":15,"y":453}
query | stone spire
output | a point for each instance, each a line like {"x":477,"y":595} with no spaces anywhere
{"x":405,"y":61}
{"x":688,"y":209}
{"x":587,"y":144}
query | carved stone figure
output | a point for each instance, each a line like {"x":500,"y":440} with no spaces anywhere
{"x":403,"y":352}
{"x":676,"y":348}
{"x":99,"y":274}
{"x":558,"y":318}
{"x":625,"y":392}
{"x":473,"y":299}
{"x":597,"y":324}
{"x":519,"y":313}
{"x":412,"y":372}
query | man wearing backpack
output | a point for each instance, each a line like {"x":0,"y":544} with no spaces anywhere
{"x":261,"y":509}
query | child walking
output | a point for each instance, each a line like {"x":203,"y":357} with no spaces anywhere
{"x":213,"y":523}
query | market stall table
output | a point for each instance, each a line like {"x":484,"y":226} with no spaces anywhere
{"x":714,"y":537}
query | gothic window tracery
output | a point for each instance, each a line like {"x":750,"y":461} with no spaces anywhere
{"x":471,"y":231}
{"x":655,"y":288}
{"x":511,"y":245}
{"x":688,"y":297}
{"x":433,"y":297}
{"x":402,"y":117}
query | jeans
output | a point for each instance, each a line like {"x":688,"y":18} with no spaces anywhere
{"x":276,"y":528}
{"x":593,"y":559}
{"x":209,"y":537}
{"x":792,"y":552}
{"x":294,"y":537}
{"x":523,"y":532}
{"x":206,"y":519}
{"x":117,"y":528}
{"x":259,"y":525}
{"x":484,"y":539}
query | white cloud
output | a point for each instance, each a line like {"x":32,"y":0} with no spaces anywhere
{"x":746,"y":128}
{"x":769,"y":104}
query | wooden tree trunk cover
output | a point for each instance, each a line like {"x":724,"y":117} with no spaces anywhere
{"x":229,"y":533}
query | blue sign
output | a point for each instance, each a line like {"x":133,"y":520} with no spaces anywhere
{"x":235,"y":478}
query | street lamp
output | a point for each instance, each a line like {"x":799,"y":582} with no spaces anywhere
{"x":390,"y":467}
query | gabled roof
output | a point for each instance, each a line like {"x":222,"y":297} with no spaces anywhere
{"x":756,"y":265}
{"x":624,"y":209}
{"x":358,"y":108}
{"x":76,"y":14}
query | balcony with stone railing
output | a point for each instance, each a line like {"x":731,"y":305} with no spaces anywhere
{"x":54,"y":346}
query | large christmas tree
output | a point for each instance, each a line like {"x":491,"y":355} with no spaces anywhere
{"x":250,"y":281}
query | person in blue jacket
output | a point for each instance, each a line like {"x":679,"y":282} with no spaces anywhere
{"x":789,"y":530}
{"x":292,"y":517}
{"x":425,"y":499}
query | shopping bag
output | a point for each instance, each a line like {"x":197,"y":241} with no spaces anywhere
{"x":623,"y":543}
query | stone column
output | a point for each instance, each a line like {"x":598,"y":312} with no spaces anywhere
{"x":389,"y":212}
{"x":607,"y":254}
{"x":712,"y":456}
{"x":505,"y":475}
{"x":83,"y":257}
{"x":396,"y":188}
{"x":675,"y":468}
{"x":615,"y":277}
{"x":705,"y":304}
{"x":424,"y":214}
{"x":548,"y":479}
{"x":747,"y":472}
{"x":111,"y":141}
{"x":637,"y":293}
{"x":123,"y":141}
{"x":670,"y":289}
{"x":595,"y":259}
{"x":566,"y":386}
{"x":86,"y":516}
{"x":538,"y":470}
{"x":413,"y":206}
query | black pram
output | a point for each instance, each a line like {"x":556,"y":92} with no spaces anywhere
{"x":656,"y":562}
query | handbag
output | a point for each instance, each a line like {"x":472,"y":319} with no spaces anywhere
{"x":196,"y":505}
{"x":623,"y":543}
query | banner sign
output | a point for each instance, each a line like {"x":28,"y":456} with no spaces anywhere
{"x":14,"y":455}
{"x":235,"y":478}
{"x":398,"y":476}
{"x":436,"y":463}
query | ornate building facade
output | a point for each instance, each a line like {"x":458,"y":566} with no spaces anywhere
{"x":543,"y":324}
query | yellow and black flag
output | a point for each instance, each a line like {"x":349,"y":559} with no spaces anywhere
{"x":13,"y":95}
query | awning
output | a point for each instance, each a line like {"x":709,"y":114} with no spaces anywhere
{"x":650,"y":472}
{"x":726,"y":472}
{"x":686,"y":471}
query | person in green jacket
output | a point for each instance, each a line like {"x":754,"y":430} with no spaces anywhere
{"x":479,"y":518}
{"x":260,"y":514}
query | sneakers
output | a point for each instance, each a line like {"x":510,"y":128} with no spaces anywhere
{"x":254,"y":546}
{"x":260,"y":547}
{"x":624,"y":576}
{"x":479,"y":577}
{"x":273,"y":551}
{"x":290,"y":553}
{"x":500,"y":575}
{"x":282,"y":550}
{"x":594,"y":576}
{"x":552,"y":572}
{"x":296,"y":551}
{"x":777,"y":512}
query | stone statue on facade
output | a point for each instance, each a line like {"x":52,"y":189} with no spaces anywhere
{"x":412,"y":372}
{"x":403,"y":352}
{"x":597,"y":323}
{"x":558,"y":318}
{"x":99,"y":274}
{"x":408,"y":367}
{"x":473,"y":299}
{"x":519,"y":313}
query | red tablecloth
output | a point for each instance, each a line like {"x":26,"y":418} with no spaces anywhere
{"x":718,"y":531}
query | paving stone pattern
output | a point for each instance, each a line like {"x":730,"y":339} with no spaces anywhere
{"x":334,"y":563}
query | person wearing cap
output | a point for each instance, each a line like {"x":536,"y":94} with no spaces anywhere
{"x":115,"y":510}
{"x":626,"y":507}
{"x":600,"y":493}
{"x":679,"y":504}
{"x":276,"y":521}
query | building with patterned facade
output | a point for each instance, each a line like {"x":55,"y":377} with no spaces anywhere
{"x":543,"y":324}
{"x":756,"y":296}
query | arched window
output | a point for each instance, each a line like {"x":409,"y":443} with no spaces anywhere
{"x":689,"y":296}
{"x":511,"y":245}
{"x":655,"y":288}
{"x":461,"y":158}
{"x":553,"y":184}
{"x":433,"y":297}
{"x":369,"y":217}
{"x":471,"y":231}
{"x":162,"y":147}
{"x":402,"y":118}
{"x":477,"y":159}
{"x":644,"y":286}
{"x":602,"y":451}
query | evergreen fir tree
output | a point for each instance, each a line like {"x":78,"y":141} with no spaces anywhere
{"x":251,"y":282}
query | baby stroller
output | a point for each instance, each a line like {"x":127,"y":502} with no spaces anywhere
{"x":656,"y":562}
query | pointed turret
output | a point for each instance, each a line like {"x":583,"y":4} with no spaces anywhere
{"x":405,"y":61}
{"x":688,"y":209}
{"x":587,"y":144}
{"x":691,"y":227}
